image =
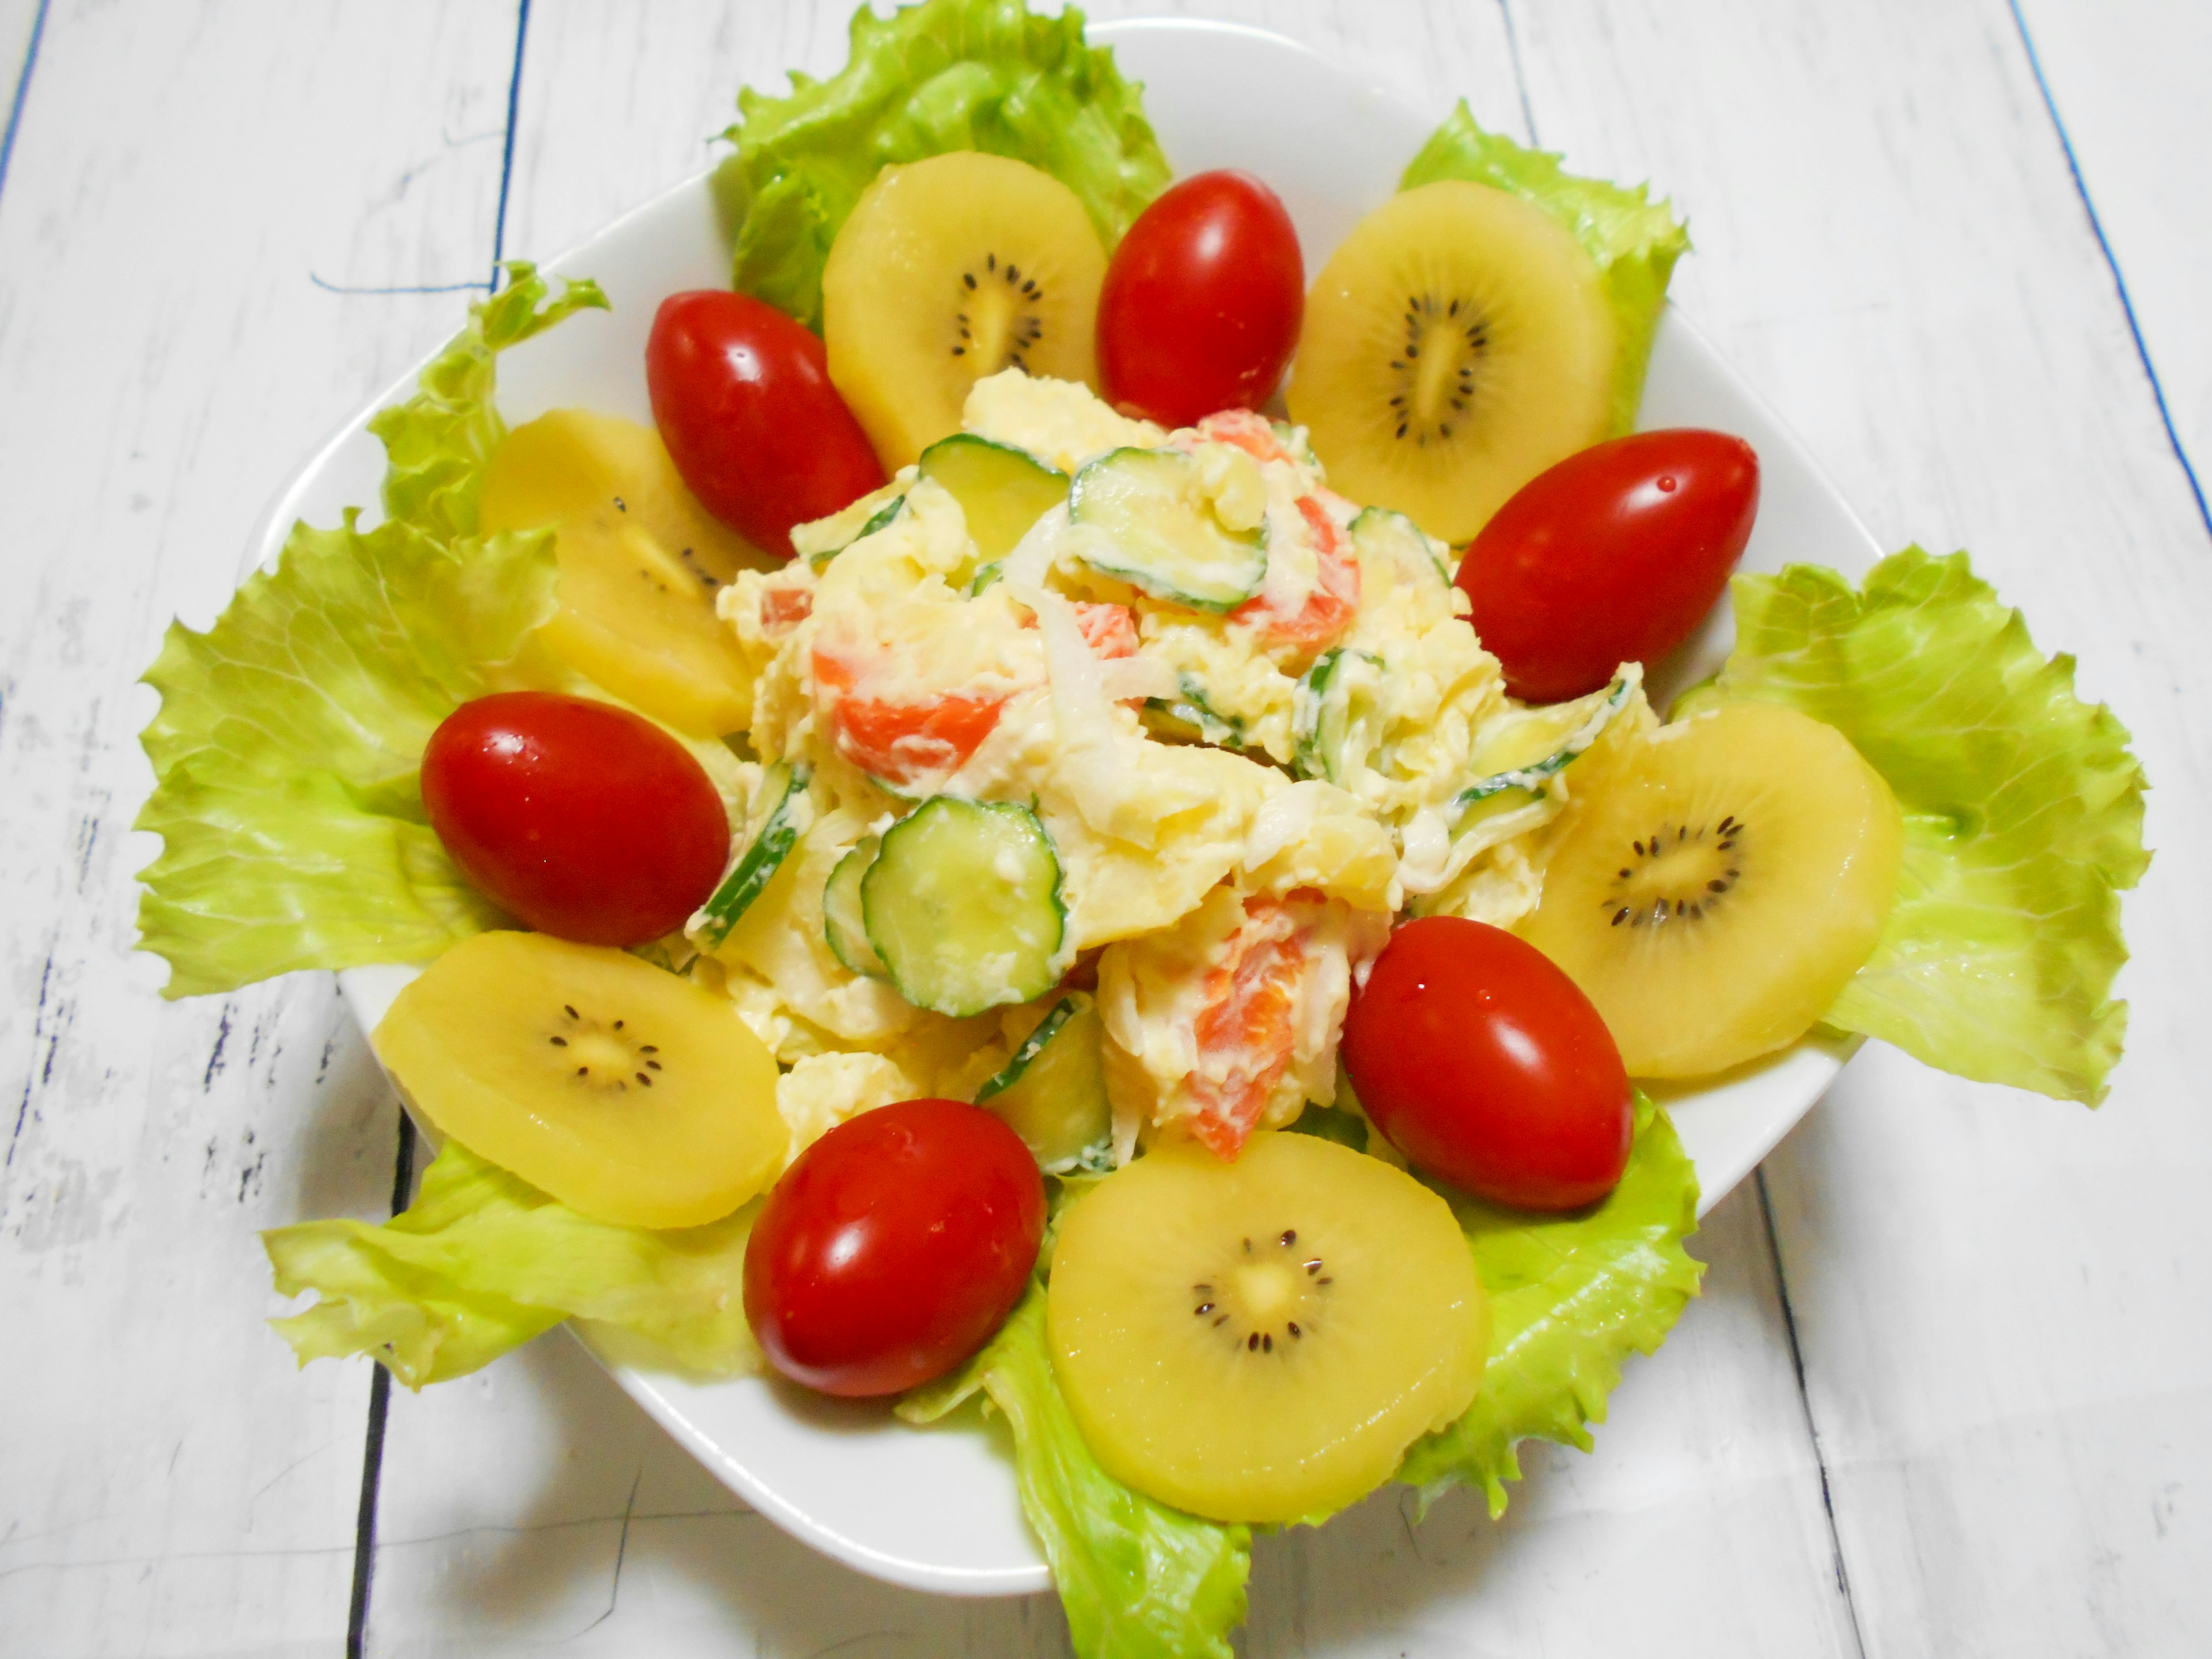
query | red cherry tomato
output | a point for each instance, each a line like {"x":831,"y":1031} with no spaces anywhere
{"x":1203,"y":301}
{"x":893,"y":1247}
{"x":1487,"y":1067}
{"x":742,"y":396}
{"x":1614,"y":555}
{"x":584,"y":820}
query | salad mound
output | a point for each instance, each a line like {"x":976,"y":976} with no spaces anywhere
{"x":1172,"y":977}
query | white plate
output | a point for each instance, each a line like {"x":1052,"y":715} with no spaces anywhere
{"x":936,"y":1510}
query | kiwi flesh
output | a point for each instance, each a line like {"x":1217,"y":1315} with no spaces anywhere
{"x":1714,"y":892}
{"x":641,"y":563}
{"x":1457,"y":343}
{"x":624,"y":1090}
{"x":950,"y":270}
{"x":1260,"y":1341}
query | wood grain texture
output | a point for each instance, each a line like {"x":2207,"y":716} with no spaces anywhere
{"x":182,"y":175}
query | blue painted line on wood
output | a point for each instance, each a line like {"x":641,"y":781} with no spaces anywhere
{"x":2112,"y":264}
{"x":22,"y":90}
{"x":507,"y":148}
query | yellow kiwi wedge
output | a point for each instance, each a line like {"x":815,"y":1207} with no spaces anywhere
{"x":624,"y":1090}
{"x":1715,"y":890}
{"x":1262,"y":1340}
{"x":641,"y":562}
{"x":950,"y":270}
{"x":1456,"y":344}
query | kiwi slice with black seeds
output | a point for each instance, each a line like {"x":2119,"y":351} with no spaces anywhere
{"x":626,"y":1091}
{"x":1457,"y":343}
{"x":949,"y":270}
{"x":1717,"y":883}
{"x":1262,"y":1340}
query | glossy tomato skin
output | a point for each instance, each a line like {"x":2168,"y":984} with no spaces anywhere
{"x":1203,"y":301}
{"x":581,"y":819}
{"x":1615,"y":554}
{"x":742,"y":396}
{"x":893,"y":1248}
{"x":1488,"y":1068}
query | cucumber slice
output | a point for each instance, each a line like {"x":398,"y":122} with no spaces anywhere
{"x":1053,"y":1092}
{"x":1518,"y":751}
{"x":1165,"y":537}
{"x":1187,"y":717}
{"x":1002,"y":491}
{"x":1333,"y":720}
{"x":963,"y":905}
{"x":986,"y":576}
{"x":788,"y":814}
{"x":842,"y":924}
{"x":1378,"y":532}
{"x":879,"y":519}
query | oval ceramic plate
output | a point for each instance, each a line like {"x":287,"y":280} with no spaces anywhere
{"x":936,"y":1510}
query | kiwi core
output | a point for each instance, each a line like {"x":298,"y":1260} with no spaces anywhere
{"x":1676,"y":871}
{"x":1268,"y":1295}
{"x":606,"y":1058}
{"x":1435,"y":372}
{"x":997,"y":317}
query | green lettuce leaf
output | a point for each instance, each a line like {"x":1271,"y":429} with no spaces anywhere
{"x":437,"y":444}
{"x":1635,"y":241}
{"x":1138,"y":1580}
{"x":285,"y":751}
{"x":482,"y":1262}
{"x":2023,"y":813}
{"x":946,"y":75}
{"x":1571,"y":1298}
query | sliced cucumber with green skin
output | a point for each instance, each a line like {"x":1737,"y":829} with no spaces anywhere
{"x":1378,"y":531}
{"x":1333,"y":722}
{"x":963,"y":905}
{"x":1190,"y":718}
{"x":1519,"y":751}
{"x":842,"y":924}
{"x":880,"y":520}
{"x":1002,"y":491}
{"x":1153,"y":505}
{"x":1053,"y":1092}
{"x":986,"y":576}
{"x":786,"y":787}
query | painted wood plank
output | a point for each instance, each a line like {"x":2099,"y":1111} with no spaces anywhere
{"x":2000,"y":1298}
{"x":532,"y":1504}
{"x":184,"y":178}
{"x":2127,"y":80}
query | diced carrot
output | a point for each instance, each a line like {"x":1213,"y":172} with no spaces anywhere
{"x":1251,"y":432}
{"x":785,"y":607}
{"x":902,"y":743}
{"x":1248,"y":1020}
{"x":1328,"y":608}
{"x":1110,"y":631}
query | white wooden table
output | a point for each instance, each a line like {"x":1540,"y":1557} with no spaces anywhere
{"x":1949,"y":1390}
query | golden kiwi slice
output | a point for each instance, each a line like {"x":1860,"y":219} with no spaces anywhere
{"x":626,"y":1091}
{"x":1715,"y":890}
{"x":1262,"y":1340}
{"x":1456,"y":344}
{"x":950,"y":270}
{"x":641,"y":562}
